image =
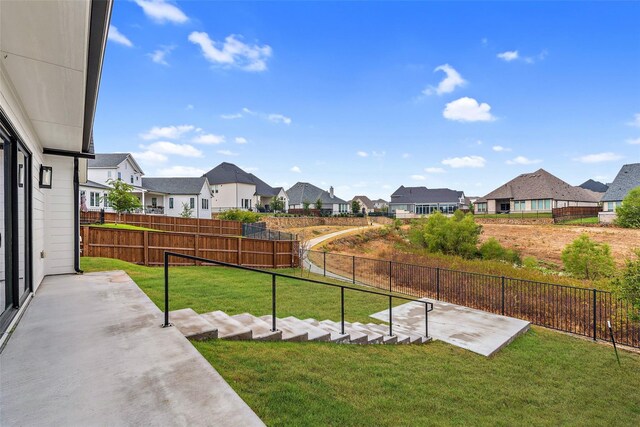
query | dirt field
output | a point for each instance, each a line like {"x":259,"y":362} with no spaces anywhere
{"x":547,"y":241}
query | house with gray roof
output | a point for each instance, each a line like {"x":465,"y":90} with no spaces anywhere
{"x":380,"y":204}
{"x":627,"y":179}
{"x":414,"y":201}
{"x":366,"y":204}
{"x":303,"y":192}
{"x":595,"y":186}
{"x":169,"y":196}
{"x":233,"y":188}
{"x":538,"y":191}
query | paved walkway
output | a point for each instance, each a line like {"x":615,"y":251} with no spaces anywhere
{"x":475,"y":330}
{"x":90,"y":351}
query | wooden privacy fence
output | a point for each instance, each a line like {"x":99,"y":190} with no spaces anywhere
{"x":148,"y":247}
{"x":168,"y":223}
{"x":574,"y":212}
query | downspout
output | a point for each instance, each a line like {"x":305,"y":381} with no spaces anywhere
{"x":76,"y":217}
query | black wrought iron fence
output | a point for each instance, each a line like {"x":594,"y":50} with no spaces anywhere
{"x":259,"y":230}
{"x":570,"y":309}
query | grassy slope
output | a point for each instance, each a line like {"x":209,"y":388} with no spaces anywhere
{"x":543,"y":378}
{"x":123,"y":227}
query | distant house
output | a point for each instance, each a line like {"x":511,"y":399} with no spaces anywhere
{"x":366,"y":205}
{"x":595,"y":186}
{"x":233,"y":188}
{"x":627,"y":179}
{"x":111,"y":166}
{"x":303,"y":192}
{"x":380,"y":204}
{"x":538,"y":191}
{"x":424,"y":201}
{"x":169,"y":195}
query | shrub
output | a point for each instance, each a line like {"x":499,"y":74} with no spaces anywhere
{"x":628,"y":214}
{"x":530,"y":262}
{"x":239,"y":215}
{"x":453,"y":236}
{"x":492,"y":249}
{"x":627,"y":285}
{"x":586,"y":259}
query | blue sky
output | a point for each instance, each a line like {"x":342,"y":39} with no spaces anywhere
{"x":369,"y":96}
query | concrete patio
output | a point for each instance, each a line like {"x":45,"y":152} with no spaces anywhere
{"x":90,"y":351}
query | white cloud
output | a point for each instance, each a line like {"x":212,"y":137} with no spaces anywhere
{"x":169,"y":132}
{"x":190,"y":107}
{"x":386,"y":186}
{"x":279,"y":118}
{"x":598,"y":158}
{"x":452,"y":80}
{"x":231,"y":116}
{"x":232,"y":52}
{"x":510,"y":55}
{"x":500,"y":148}
{"x":362,"y":154}
{"x":161,"y":11}
{"x":118,"y":37}
{"x":180,"y":171}
{"x":418,"y":177}
{"x":468,"y":110}
{"x":434,"y":170}
{"x":406,"y":155}
{"x":149,"y":157}
{"x":248,"y":111}
{"x":209,"y":139}
{"x":296,"y":169}
{"x":378,"y":153}
{"x":240,"y":140}
{"x":227,"y":153}
{"x":166,"y":147}
{"x":521,"y":160}
{"x":465,"y":162}
{"x":158,"y":55}
{"x":633,"y":141}
{"x":636,"y":121}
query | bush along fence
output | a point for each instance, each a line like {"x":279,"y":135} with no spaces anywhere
{"x":570,"y":309}
{"x":259,"y":230}
{"x":148,"y":247}
{"x":165,"y":223}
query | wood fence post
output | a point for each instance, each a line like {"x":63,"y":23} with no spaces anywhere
{"x":145,"y":254}
{"x":85,"y":241}
{"x":239,"y":250}
{"x":275,"y":254}
{"x":220,"y":224}
{"x":198,"y":225}
{"x":196,"y":247}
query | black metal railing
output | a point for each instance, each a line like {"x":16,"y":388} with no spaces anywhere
{"x":259,"y":230}
{"x":580,"y":311}
{"x":428,"y":306}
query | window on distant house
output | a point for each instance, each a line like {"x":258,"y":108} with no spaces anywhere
{"x":108,"y":174}
{"x":192,"y":203}
{"x":170,"y":202}
{"x":519,"y":205}
{"x":215,"y":188}
{"x":120,"y":175}
{"x":205,"y":203}
{"x":132,"y":179}
{"x":154,"y":202}
{"x":481,"y":207}
{"x":107,"y":204}
{"x":137,"y":177}
{"x":94,"y":199}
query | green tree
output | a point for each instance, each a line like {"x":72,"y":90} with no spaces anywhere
{"x":628,"y":214}
{"x":492,"y":249}
{"x":121,"y":197}
{"x":305,"y":207}
{"x":319,"y":204}
{"x":355,"y":206}
{"x":457,"y":235}
{"x":277,"y":204}
{"x":628,"y":284}
{"x":586,"y":259}
{"x":187,"y":210}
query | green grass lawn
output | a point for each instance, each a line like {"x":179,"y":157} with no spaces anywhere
{"x":542,"y":378}
{"x":123,"y":227}
{"x":591,"y":220}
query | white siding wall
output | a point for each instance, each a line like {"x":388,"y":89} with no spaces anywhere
{"x":231,"y":195}
{"x":101,"y":175}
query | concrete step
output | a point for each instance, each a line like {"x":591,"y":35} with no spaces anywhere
{"x":386,"y":338}
{"x":228,"y":328}
{"x":261,"y":330}
{"x":372,"y":337}
{"x":314,"y":333}
{"x":289,"y":331}
{"x":335,"y":336}
{"x":355,"y":336}
{"x":414,"y":337}
{"x":192,"y":325}
{"x":384,"y":329}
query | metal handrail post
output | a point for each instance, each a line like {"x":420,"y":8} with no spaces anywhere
{"x":426,"y":320}
{"x":324,"y":264}
{"x":166,"y":291}
{"x":273,"y":303}
{"x":342,"y":309}
{"x":390,"y":316}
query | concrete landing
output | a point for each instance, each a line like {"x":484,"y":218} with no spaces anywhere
{"x":90,"y":351}
{"x":478,"y":331}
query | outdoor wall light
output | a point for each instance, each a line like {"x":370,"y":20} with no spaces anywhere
{"x":46,"y":173}
{"x":20,"y":176}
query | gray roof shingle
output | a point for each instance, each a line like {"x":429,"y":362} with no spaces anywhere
{"x":627,"y":179}
{"x":540,"y":185}
{"x":305,"y":192}
{"x":93,"y":184}
{"x":180,"y":185}
{"x":595,"y":186}
{"x":408,"y":195}
{"x":228,"y":173}
{"x":364,"y":199}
